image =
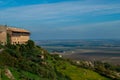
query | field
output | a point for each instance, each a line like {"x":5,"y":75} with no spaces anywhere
{"x":93,"y":50}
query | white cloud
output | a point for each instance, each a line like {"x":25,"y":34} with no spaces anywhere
{"x":43,"y":16}
{"x":99,"y":25}
{"x":55,"y":13}
{"x":57,"y":10}
{"x":6,"y":2}
{"x":106,"y":30}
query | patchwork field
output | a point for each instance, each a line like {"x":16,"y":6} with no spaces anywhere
{"x":94,"y":55}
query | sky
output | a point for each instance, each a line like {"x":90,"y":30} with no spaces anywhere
{"x":63,"y":19}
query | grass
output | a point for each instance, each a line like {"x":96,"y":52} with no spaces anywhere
{"x":23,"y":75}
{"x":2,"y":74}
{"x":76,"y":73}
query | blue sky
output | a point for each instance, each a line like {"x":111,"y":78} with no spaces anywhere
{"x":63,"y":19}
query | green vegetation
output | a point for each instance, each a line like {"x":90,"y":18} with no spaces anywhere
{"x":76,"y":73}
{"x":8,"y":38}
{"x":31,"y":62}
{"x":105,"y":69}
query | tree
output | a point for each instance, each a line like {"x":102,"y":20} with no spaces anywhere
{"x":30,"y":44}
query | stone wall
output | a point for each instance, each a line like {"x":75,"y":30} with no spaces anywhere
{"x":3,"y":35}
{"x":19,"y":39}
{"x":16,"y":36}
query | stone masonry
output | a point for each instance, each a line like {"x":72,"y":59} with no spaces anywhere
{"x":13,"y":35}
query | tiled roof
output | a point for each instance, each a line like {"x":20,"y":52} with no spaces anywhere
{"x":2,"y":27}
{"x":17,"y":29}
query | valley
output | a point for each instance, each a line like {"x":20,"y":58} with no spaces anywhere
{"x":93,"y":50}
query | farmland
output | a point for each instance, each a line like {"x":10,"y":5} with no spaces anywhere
{"x":93,"y":50}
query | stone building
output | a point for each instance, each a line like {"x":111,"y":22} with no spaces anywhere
{"x":13,"y":35}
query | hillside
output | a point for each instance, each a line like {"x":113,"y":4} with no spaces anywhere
{"x":31,"y":62}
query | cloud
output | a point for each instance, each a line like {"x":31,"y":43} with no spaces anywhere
{"x":110,"y":25}
{"x":57,"y":10}
{"x":106,"y":30}
{"x":94,"y":26}
{"x":100,"y":27}
{"x":7,"y":2}
{"x":65,"y":18}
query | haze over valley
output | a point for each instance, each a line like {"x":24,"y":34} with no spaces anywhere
{"x":104,"y":50}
